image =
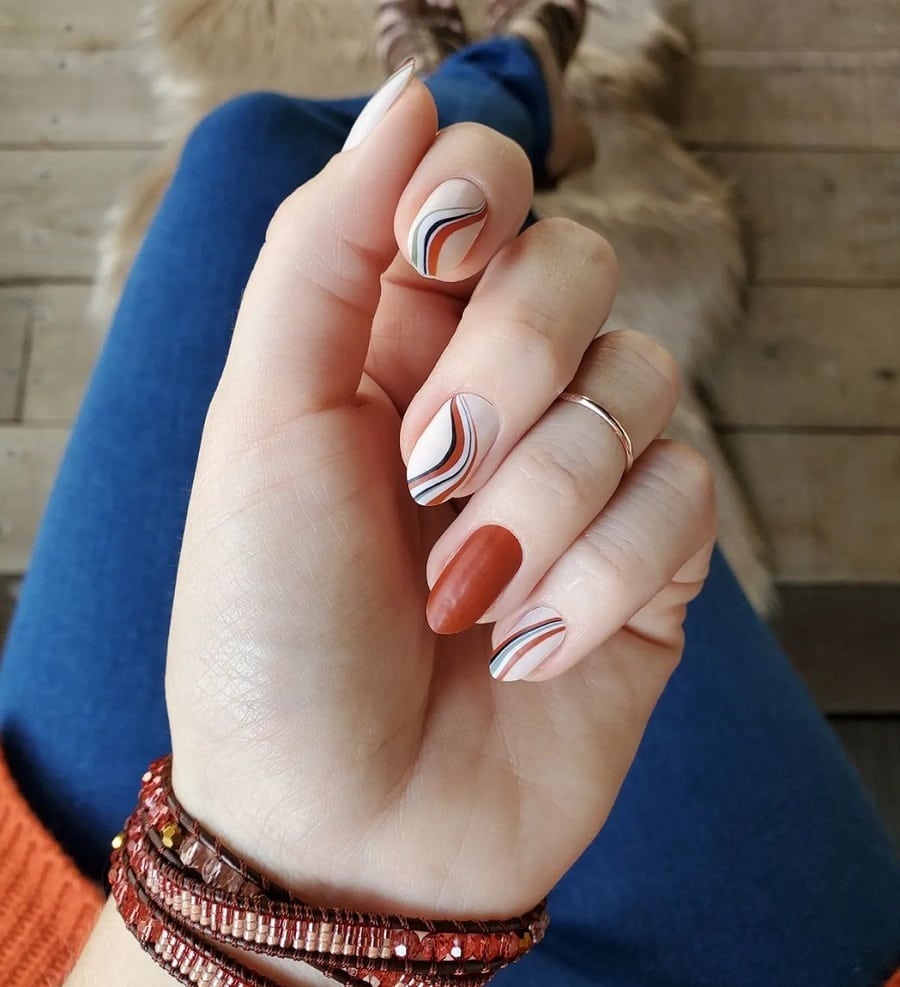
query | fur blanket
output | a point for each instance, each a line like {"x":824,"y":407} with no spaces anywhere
{"x":669,"y":220}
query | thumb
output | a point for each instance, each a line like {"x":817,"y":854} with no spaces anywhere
{"x":302,"y":333}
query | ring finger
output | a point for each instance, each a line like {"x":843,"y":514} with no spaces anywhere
{"x":552,"y":484}
{"x":636,"y":565}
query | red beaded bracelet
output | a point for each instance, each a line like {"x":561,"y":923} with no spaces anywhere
{"x":179,"y":888}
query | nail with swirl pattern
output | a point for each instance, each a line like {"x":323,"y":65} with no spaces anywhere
{"x":528,"y":645}
{"x":450,"y":449}
{"x":446,"y":227}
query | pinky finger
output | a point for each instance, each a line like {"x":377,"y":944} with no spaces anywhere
{"x":662,"y":618}
{"x":637,"y":564}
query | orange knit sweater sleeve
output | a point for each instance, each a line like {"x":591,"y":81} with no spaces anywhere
{"x":47,"y":909}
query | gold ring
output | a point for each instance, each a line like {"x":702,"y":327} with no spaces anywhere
{"x":611,"y":420}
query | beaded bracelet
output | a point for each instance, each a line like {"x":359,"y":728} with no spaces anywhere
{"x":178,"y":887}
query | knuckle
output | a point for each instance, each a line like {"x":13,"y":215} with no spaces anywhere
{"x":484,"y":144}
{"x":286,"y":217}
{"x":573,"y":237}
{"x":534,"y":333}
{"x":597,"y":250}
{"x":688,"y":472}
{"x":650,"y":357}
{"x":561,"y":470}
{"x":506,"y":153}
{"x":321,"y":194}
{"x":614,"y":545}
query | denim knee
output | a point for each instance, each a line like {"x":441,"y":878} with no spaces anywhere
{"x":232,"y":125}
{"x":255,"y":128}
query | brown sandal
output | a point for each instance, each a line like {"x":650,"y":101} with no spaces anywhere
{"x":553,"y":30}
{"x":427,"y":30}
{"x":562,"y":22}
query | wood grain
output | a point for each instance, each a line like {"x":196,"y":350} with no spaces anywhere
{"x":52,"y":203}
{"x":764,"y":25}
{"x":795,"y":99}
{"x":30,"y":457}
{"x":812,"y":357}
{"x":64,"y":347}
{"x":828,"y":502}
{"x":768,"y":24}
{"x":819,"y":216}
{"x":92,"y":25}
{"x":786,"y":99}
{"x":70,"y":97}
{"x":815,"y":216}
{"x":15,"y":314}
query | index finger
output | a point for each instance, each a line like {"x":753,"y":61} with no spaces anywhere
{"x":303,"y":329}
{"x":468,"y":198}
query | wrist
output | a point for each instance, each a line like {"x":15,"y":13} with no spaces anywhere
{"x":113,"y":955}
{"x":185,"y":895}
{"x":250,"y":827}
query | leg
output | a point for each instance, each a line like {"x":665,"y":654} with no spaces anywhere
{"x":742,"y":850}
{"x":529,"y":35}
{"x":497,"y":83}
{"x":81,"y":684}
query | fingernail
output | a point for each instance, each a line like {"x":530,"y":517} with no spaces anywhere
{"x":448,"y":452}
{"x":382,"y":100}
{"x":446,"y":227}
{"x":473,"y":579}
{"x":528,"y":645}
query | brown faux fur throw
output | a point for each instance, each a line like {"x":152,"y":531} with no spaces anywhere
{"x":669,"y":220}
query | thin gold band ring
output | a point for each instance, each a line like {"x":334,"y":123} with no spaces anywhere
{"x":611,"y":420}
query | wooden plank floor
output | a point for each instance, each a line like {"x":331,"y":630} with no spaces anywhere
{"x":799,"y":103}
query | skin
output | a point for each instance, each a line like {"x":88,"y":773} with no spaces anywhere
{"x":319,"y":726}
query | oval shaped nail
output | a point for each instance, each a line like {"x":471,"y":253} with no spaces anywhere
{"x":473,"y":579}
{"x":450,"y":448}
{"x":528,"y":645}
{"x":446,"y":227}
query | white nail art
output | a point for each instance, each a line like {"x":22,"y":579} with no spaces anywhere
{"x":383,"y":99}
{"x":529,"y":644}
{"x":454,"y":442}
{"x":446,"y":227}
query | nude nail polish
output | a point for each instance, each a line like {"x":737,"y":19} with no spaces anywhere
{"x":451,"y":448}
{"x":473,"y":579}
{"x":528,"y":645}
{"x":446,"y":227}
{"x":382,"y":100}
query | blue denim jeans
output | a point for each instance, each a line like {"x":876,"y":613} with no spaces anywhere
{"x":742,"y":850}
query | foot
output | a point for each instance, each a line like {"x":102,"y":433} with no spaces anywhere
{"x":553,"y":30}
{"x":427,"y":30}
{"x":560,"y":21}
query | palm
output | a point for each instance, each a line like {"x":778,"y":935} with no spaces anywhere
{"x":310,"y":546}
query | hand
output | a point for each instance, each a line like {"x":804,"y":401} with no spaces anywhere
{"x":319,"y":724}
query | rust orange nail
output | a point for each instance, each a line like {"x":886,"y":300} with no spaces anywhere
{"x":473,"y":579}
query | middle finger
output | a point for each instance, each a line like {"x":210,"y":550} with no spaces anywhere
{"x":538,"y":305}
{"x":555,"y":481}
